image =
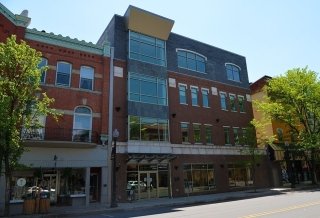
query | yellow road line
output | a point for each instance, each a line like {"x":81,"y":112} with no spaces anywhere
{"x":282,"y":210}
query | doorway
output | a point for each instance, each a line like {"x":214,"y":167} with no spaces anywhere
{"x":49,"y":183}
{"x":148,"y":184}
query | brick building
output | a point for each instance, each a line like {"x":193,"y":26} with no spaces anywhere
{"x":180,"y":106}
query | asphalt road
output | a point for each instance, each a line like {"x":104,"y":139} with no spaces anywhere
{"x":292,"y":204}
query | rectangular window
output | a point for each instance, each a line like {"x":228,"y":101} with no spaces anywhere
{"x":226,"y":131}
{"x":43,"y":63}
{"x":239,"y":176}
{"x":194,"y":96}
{"x":147,"y":89}
{"x":233,"y":106}
{"x":148,"y":129}
{"x":198,"y":178}
{"x":86,"y":78}
{"x":205,"y":97}
{"x":183,"y":94}
{"x":197,"y":133}
{"x":223,"y":100}
{"x":147,"y":49}
{"x":63,"y":76}
{"x":245,"y":136}
{"x":241,"y":103}
{"x":184,"y":132}
{"x":208,"y":134}
{"x":236,"y":136}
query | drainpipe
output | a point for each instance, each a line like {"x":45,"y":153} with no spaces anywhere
{"x":111,"y":77}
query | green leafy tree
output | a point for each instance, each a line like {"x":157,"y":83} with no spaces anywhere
{"x":21,"y":102}
{"x":294,"y":99}
{"x":254,"y":148}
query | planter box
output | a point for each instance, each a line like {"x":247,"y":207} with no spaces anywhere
{"x":29,"y":206}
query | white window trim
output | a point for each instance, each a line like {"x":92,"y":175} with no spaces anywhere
{"x":194,"y":87}
{"x":182,"y":84}
{"x":244,"y":99}
{"x":57,"y":74}
{"x":91,"y":116}
{"x":186,"y":50}
{"x":226,"y":95}
{"x":197,"y":88}
{"x":229,"y":63}
{"x":92,"y":78}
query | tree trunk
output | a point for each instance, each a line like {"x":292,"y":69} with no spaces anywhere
{"x":313,"y":168}
{"x":8,"y":176}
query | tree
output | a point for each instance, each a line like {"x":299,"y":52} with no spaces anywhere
{"x":294,"y":99}
{"x":253,"y":148}
{"x":21,"y":102}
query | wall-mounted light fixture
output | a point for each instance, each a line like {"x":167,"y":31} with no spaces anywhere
{"x":117,"y":109}
{"x":173,"y":115}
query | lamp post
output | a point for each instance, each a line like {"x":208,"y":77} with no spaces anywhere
{"x":115,"y":135}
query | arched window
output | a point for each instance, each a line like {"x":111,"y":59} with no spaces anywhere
{"x":233,"y":72}
{"x":43,"y":63}
{"x":191,"y":60}
{"x":82,"y":124}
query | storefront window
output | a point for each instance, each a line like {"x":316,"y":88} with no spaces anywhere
{"x":198,"y":177}
{"x":72,"y":181}
{"x":239,"y":176}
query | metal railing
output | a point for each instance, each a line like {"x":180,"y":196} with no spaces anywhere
{"x":60,"y":134}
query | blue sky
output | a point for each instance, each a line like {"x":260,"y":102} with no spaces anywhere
{"x":273,"y":35}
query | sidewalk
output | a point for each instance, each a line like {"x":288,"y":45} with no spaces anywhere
{"x":161,"y":202}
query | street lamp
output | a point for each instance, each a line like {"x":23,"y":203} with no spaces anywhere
{"x":115,"y":135}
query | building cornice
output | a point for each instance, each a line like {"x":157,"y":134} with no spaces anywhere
{"x":18,"y":20}
{"x":67,"y":42}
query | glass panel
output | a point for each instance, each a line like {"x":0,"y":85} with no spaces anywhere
{"x":160,"y":43}
{"x":233,"y":103}
{"x":134,"y":97}
{"x":163,"y":184}
{"x":86,"y":84}
{"x":148,"y":88}
{"x":163,"y":130}
{"x":134,"y":128}
{"x":82,"y":122}
{"x":184,"y":132}
{"x":160,"y":53}
{"x":152,"y":185}
{"x":192,"y":64}
{"x":64,"y":67}
{"x":86,"y":72}
{"x":162,"y":91}
{"x":148,"y":50}
{"x":182,"y":53}
{"x":83,"y":110}
{"x":191,"y":56}
{"x":149,"y":99}
{"x":223,"y":101}
{"x":182,"y":62}
{"x":196,"y":133}
{"x":201,"y":67}
{"x":226,"y":135}
{"x":241,"y":103}
{"x":149,"y":129}
{"x":236,"y":75}
{"x":43,"y":63}
{"x":63,"y":79}
{"x":236,"y":136}
{"x":134,"y":46}
{"x":205,"y":100}
{"x":209,"y":134}
{"x":182,"y":95}
{"x":134,"y":86}
{"x":194,"y":96}
{"x":142,"y":186}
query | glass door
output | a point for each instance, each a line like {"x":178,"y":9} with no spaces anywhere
{"x":49,"y":184}
{"x":147,"y":185}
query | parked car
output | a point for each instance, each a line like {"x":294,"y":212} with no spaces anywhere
{"x":134,"y":185}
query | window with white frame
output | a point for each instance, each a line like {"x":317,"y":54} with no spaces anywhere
{"x":208,"y":132}
{"x":82,"y":124}
{"x":226,"y":131}
{"x":86,"y":77}
{"x":233,"y":72}
{"x":197,"y":133}
{"x":63,"y":76}
{"x":223,"y":100}
{"x":183,"y":94}
{"x":233,"y":105}
{"x":147,"y":49}
{"x":241,"y":102}
{"x":194,"y":96}
{"x":43,"y":63}
{"x":184,"y":132}
{"x":147,"y":89}
{"x":205,"y":97}
{"x":236,"y":136}
{"x":191,"y":60}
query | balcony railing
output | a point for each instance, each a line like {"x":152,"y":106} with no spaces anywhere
{"x":60,"y":134}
